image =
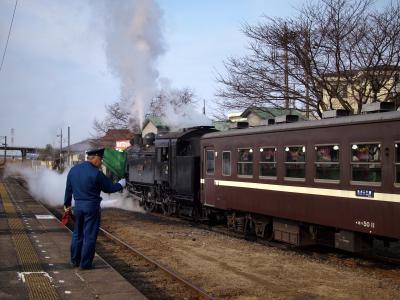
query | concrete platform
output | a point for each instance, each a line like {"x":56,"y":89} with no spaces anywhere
{"x":34,"y":256}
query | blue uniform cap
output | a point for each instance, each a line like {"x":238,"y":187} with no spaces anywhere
{"x":96,"y":152}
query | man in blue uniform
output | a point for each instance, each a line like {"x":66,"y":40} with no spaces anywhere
{"x":85,"y":181}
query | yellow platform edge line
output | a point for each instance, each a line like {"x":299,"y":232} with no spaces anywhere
{"x":38,"y":285}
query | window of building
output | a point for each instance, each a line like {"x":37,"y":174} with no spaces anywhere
{"x":268,"y":162}
{"x":327,"y":162}
{"x":366,"y":162}
{"x":210,"y":162}
{"x":245,"y":162}
{"x":295,"y":157}
{"x":226,"y":163}
{"x":397,"y":161}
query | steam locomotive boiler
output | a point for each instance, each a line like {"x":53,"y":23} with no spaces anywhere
{"x":164,"y":171}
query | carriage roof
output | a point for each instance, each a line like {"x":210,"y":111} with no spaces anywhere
{"x":341,"y":121}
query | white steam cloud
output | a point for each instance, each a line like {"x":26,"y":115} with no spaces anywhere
{"x":134,"y":42}
{"x":48,"y":186}
{"x":45,"y":185}
{"x":184,"y":116}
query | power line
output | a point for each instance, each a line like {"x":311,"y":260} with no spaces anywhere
{"x":8,"y":37}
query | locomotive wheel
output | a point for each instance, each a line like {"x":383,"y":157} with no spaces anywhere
{"x":196,"y":214}
{"x":149,"y":203}
{"x":168,"y":205}
{"x":142,"y":200}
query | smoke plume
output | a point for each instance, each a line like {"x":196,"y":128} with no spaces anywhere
{"x":134,"y":42}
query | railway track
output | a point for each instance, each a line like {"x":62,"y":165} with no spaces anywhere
{"x":318,"y":252}
{"x":172,"y":284}
{"x":150,"y":277}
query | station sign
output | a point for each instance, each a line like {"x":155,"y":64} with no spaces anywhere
{"x":122,"y":144}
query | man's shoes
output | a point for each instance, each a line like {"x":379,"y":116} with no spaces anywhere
{"x":74,"y":265}
{"x":86,"y":268}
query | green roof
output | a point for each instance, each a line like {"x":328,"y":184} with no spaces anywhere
{"x":269,"y":112}
{"x":157,"y":121}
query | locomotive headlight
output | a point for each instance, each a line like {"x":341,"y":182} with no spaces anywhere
{"x":303,"y":149}
{"x":287,"y":149}
{"x":354,"y":147}
{"x":336,"y":147}
{"x":251,"y":150}
{"x":261,"y":149}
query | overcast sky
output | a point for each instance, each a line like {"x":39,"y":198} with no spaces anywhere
{"x":56,"y":74}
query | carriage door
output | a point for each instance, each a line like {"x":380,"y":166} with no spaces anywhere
{"x":209,"y":171}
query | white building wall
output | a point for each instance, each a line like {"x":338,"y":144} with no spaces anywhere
{"x":149,"y":128}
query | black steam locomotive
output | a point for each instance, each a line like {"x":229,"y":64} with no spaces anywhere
{"x":164,"y":171}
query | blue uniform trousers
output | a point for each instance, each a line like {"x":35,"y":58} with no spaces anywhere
{"x":83,"y":244}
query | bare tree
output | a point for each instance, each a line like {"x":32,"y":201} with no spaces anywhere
{"x":118,"y":117}
{"x":333,"y":53}
{"x":170,"y":99}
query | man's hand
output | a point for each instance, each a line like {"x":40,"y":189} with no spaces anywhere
{"x":122,"y":182}
{"x":67,"y":208}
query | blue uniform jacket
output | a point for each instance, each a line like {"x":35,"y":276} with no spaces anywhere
{"x":85,"y":182}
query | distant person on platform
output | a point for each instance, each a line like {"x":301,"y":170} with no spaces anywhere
{"x":85,"y":181}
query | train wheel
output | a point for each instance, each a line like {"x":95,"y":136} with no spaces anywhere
{"x":196,"y":214}
{"x":149,"y":206}
{"x":168,"y":205}
{"x":249,"y":230}
{"x":142,"y":200}
{"x":149,"y":203}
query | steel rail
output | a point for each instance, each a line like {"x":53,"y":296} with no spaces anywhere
{"x":203,"y":294}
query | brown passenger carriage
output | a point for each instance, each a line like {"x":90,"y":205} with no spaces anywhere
{"x":333,"y":181}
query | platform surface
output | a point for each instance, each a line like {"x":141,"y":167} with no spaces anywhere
{"x":34,"y":256}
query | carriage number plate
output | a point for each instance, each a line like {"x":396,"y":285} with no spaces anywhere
{"x":365,"y":193}
{"x":366,"y":224}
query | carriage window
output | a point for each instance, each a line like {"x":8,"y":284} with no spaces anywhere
{"x":366,"y":162}
{"x":268,"y":162}
{"x":295,"y":157}
{"x":397,"y":161}
{"x":327,"y":162}
{"x":226,"y":163}
{"x":210,"y":163}
{"x":245,"y":162}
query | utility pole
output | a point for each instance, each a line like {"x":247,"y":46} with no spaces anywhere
{"x":286,"y":63}
{"x":61,"y":139}
{"x":5,"y":149}
{"x":12,"y":136}
{"x":307,"y":71}
{"x":204,"y":106}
